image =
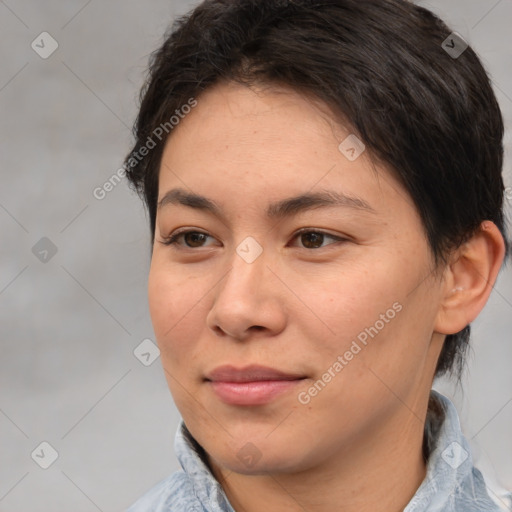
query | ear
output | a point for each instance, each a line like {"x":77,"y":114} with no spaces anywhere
{"x":469,"y":278}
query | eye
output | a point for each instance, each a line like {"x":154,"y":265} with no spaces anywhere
{"x":193,"y":238}
{"x":312,"y":239}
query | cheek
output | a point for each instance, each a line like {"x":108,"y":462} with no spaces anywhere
{"x":174,"y":304}
{"x":348,"y":300}
{"x":368,"y":313}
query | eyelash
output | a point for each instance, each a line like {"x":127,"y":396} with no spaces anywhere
{"x":172,"y":239}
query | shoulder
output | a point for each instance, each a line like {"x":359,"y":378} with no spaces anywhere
{"x":173,"y":494}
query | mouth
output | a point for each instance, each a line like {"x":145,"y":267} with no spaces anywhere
{"x":252,"y":385}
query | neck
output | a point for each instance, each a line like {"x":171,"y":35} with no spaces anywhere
{"x":379,"y":472}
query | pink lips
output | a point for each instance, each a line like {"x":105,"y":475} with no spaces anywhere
{"x":252,"y":385}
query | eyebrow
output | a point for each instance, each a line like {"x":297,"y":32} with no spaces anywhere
{"x":280,"y":209}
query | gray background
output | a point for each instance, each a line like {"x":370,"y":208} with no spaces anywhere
{"x":69,"y":325}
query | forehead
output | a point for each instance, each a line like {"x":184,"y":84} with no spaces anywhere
{"x":236,"y":117}
{"x":241,"y":144}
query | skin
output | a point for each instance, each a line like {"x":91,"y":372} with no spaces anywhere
{"x":356,"y":445}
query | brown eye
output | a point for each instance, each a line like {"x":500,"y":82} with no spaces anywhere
{"x":193,"y":239}
{"x":314,"y":239}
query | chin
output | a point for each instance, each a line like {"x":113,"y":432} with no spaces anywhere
{"x":253,"y":459}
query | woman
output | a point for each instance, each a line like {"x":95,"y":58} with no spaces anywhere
{"x":323,"y":181}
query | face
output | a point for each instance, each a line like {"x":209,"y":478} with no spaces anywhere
{"x":290,"y":331}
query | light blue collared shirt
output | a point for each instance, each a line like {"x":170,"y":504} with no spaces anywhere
{"x":451,"y":484}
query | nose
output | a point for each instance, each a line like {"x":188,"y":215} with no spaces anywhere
{"x":249,"y":299}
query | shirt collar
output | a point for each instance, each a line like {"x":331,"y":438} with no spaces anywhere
{"x":192,"y":458}
{"x":451,"y":484}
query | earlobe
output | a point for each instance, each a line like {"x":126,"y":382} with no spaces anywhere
{"x":469,"y":279}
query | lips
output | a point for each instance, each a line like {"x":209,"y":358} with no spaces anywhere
{"x":252,"y":385}
{"x":253,"y":373}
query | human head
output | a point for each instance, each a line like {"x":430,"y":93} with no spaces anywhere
{"x":431,"y":168}
{"x":378,"y":65}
